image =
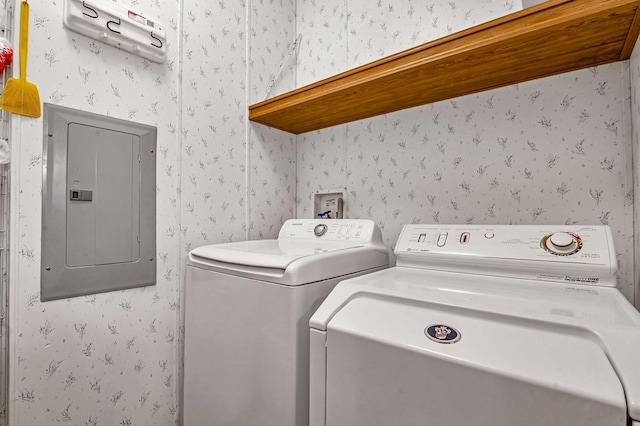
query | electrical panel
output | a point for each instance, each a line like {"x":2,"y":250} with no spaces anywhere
{"x":98,"y":204}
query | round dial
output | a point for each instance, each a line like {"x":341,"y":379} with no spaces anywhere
{"x":320,"y":230}
{"x":561,"y":243}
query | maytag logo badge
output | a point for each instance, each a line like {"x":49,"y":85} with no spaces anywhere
{"x":441,"y":333}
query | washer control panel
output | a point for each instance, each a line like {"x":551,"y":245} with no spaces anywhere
{"x":352,"y":230}
{"x":584,"y":254}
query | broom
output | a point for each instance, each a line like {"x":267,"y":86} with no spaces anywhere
{"x":19,"y":96}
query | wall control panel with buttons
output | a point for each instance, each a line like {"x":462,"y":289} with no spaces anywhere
{"x":560,"y":252}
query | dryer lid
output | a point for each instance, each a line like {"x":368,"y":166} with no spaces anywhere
{"x":515,"y":312}
{"x":504,"y":370}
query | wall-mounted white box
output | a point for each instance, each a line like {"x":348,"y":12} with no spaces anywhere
{"x":117,"y":26}
{"x":329,"y":204}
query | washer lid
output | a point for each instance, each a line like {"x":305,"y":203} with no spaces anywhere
{"x":287,"y":262}
{"x":306,"y":251}
{"x":273,"y":254}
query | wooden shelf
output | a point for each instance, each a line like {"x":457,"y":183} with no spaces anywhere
{"x":554,"y":37}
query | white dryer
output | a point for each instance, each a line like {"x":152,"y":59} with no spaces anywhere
{"x":247,"y":310}
{"x":481,"y":325}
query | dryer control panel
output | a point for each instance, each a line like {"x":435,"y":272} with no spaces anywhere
{"x":574,"y":254}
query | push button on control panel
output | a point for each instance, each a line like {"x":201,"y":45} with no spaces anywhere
{"x":442,"y":239}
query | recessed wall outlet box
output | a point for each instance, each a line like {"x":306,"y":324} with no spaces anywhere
{"x":98,"y":204}
{"x":329,"y":204}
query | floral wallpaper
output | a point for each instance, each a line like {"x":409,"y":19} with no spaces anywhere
{"x":551,"y":151}
{"x":634,"y":71}
{"x":339,"y":34}
{"x":115,"y":358}
{"x":271,"y":163}
{"x":548,"y":151}
{"x":107,"y":358}
{"x":213,"y":139}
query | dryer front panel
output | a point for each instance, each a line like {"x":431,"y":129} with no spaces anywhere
{"x":382,"y":368}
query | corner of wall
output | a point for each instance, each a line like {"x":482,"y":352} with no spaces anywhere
{"x":632,"y":78}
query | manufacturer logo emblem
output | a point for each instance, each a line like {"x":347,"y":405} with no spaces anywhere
{"x":441,"y":333}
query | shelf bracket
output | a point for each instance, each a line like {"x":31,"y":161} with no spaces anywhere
{"x":293,"y":49}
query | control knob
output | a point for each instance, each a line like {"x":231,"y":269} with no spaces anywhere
{"x":561,"y":243}
{"x":320,"y":230}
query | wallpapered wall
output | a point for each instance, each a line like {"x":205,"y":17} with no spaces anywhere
{"x":338,"y":34}
{"x":234,"y":182}
{"x":108,"y":358}
{"x":551,"y":151}
{"x":555,"y":150}
{"x":634,"y":71}
{"x":114,"y":358}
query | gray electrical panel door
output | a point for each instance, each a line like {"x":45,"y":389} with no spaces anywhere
{"x":98,"y":223}
{"x":102,"y":229}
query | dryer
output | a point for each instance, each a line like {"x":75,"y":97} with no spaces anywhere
{"x":481,"y":325}
{"x":247,"y":310}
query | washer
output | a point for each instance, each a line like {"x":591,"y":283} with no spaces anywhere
{"x":481,"y":325}
{"x":247,"y":309}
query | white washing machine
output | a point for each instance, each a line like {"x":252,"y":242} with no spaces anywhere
{"x":481,"y":325}
{"x":247,"y":310}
